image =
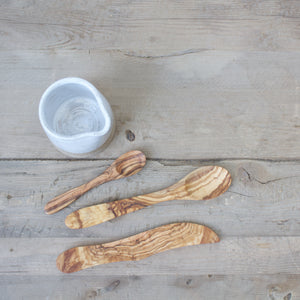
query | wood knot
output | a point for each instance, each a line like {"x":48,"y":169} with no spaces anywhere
{"x":111,"y":287}
{"x":288,"y":296}
{"x":189,"y":281}
{"x":130,"y":135}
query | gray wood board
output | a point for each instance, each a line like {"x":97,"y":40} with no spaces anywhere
{"x":175,"y":287}
{"x":232,"y":256}
{"x":140,"y":25}
{"x":263,"y":199}
{"x":206,"y":105}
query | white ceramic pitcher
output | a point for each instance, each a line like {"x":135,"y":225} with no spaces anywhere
{"x":75,"y":116}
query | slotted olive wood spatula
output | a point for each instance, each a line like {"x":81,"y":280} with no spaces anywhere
{"x":136,"y":247}
{"x":202,"y":184}
{"x":126,"y":165}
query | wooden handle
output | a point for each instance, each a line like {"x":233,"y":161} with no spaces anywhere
{"x":136,"y":247}
{"x":65,"y":199}
{"x":96,"y":214}
{"x":202,"y":184}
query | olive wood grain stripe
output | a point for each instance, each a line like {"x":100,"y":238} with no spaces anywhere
{"x":136,"y":247}
{"x":126,"y":165}
{"x":202,"y":184}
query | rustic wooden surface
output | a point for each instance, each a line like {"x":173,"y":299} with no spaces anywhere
{"x":191,"y":83}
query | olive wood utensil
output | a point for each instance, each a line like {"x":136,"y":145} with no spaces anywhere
{"x":202,"y":184}
{"x":126,"y":165}
{"x":136,"y":247}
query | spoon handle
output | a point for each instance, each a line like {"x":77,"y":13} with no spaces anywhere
{"x":136,"y":247}
{"x":96,"y":214}
{"x":65,"y":199}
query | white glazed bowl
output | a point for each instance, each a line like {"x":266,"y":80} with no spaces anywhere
{"x":96,"y":129}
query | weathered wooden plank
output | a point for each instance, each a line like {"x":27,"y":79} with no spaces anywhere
{"x":99,"y":13}
{"x":263,"y":199}
{"x":232,"y":256}
{"x":200,"y":105}
{"x":236,"y":25}
{"x":227,"y":35}
{"x":218,"y":287}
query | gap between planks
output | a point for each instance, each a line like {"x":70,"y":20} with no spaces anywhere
{"x":179,"y":161}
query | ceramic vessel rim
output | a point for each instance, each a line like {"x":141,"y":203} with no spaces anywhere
{"x":98,"y":96}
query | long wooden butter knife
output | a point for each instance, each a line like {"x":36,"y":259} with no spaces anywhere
{"x":202,"y":184}
{"x":136,"y":247}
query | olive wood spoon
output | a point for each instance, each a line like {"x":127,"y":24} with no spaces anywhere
{"x":136,"y":247}
{"x":126,"y":165}
{"x":202,"y":184}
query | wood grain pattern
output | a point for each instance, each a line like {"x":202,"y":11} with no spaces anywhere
{"x":201,"y":184}
{"x":197,"y":83}
{"x":267,"y":190}
{"x":148,"y":287}
{"x":136,"y":247}
{"x":194,"y":106}
{"x":136,"y":26}
{"x":257,"y":255}
{"x":126,"y":165}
